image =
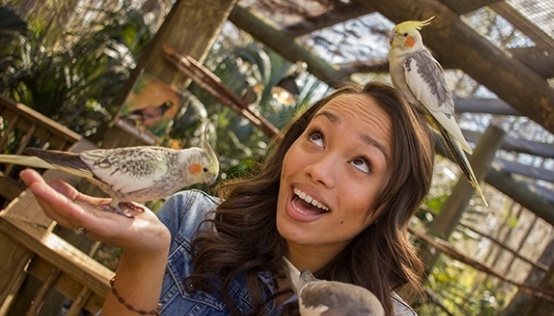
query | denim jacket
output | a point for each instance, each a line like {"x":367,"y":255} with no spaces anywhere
{"x":183,"y":214}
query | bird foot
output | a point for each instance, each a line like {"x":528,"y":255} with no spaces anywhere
{"x":127,"y":209}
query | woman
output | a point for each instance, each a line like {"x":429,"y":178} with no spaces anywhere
{"x":335,"y":197}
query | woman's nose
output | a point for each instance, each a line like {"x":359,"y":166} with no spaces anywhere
{"x":323,"y":170}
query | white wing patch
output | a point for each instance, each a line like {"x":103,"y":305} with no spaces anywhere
{"x":425,"y":78}
{"x":126,"y":173}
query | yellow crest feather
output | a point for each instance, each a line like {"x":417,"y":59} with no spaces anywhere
{"x":413,"y":24}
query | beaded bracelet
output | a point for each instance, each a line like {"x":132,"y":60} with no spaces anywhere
{"x":131,"y":307}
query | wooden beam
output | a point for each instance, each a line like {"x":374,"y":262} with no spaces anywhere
{"x":59,"y":253}
{"x":544,"y":150}
{"x":66,"y":285}
{"x":463,"y":7}
{"x":374,"y":65}
{"x":341,"y":13}
{"x":541,"y":60}
{"x":528,"y":194}
{"x":270,"y":35}
{"x":456,"y":204}
{"x":522,"y":192}
{"x":481,"y":105}
{"x":191,"y":27}
{"x":524,"y":170}
{"x":454,"y":40}
{"x":520,"y":22}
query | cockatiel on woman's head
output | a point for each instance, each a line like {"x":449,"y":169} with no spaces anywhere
{"x":420,"y":78}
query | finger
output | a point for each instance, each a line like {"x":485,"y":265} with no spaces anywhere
{"x":29,"y":176}
{"x":56,"y":200}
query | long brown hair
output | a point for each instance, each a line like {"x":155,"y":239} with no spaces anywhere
{"x":244,"y":238}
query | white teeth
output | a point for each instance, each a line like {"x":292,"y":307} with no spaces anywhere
{"x":310,"y":199}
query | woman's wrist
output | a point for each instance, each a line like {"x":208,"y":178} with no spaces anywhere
{"x":136,"y":286}
{"x":156,"y":247}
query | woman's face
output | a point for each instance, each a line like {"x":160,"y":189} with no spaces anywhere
{"x":333,"y":173}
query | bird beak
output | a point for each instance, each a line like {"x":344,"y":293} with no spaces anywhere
{"x":211,"y":180}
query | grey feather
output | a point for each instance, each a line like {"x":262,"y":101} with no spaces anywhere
{"x":330,"y":298}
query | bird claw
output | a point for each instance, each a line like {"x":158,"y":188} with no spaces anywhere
{"x":127,"y":209}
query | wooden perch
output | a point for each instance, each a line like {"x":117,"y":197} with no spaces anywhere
{"x":213,"y":85}
{"x":450,"y":251}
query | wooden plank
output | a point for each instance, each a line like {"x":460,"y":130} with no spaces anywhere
{"x":525,"y":193}
{"x":270,"y":35}
{"x":535,"y":173}
{"x":200,"y":23}
{"x":13,"y":261}
{"x":38,"y":300}
{"x":31,"y":115}
{"x":43,"y":132}
{"x":544,"y":150}
{"x":482,"y":105}
{"x":456,"y":204}
{"x":341,"y":13}
{"x":10,"y":188}
{"x":66,"y":285}
{"x":538,"y":59}
{"x":79,"y":302}
{"x":466,"y":6}
{"x":520,"y":22}
{"x":59,"y":253}
{"x":8,"y":130}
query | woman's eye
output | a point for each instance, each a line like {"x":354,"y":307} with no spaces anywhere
{"x":362,"y":164}
{"x":316,"y":138}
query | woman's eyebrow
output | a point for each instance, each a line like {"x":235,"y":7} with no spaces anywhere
{"x":375,"y":143}
{"x":330,"y":116}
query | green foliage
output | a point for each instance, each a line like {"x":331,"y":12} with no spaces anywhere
{"x":73,"y":78}
{"x":239,"y":143}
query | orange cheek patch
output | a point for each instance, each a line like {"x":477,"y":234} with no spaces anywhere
{"x":194,"y":169}
{"x":410,"y":41}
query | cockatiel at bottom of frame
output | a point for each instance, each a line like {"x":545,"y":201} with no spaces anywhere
{"x":330,"y":298}
{"x":130,"y":174}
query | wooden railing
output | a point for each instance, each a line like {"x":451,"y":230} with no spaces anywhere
{"x":30,"y":251}
{"x":21,"y":127}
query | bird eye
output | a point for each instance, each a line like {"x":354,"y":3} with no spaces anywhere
{"x":405,"y":34}
{"x":205,"y":169}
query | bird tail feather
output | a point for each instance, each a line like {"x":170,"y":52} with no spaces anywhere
{"x":65,"y":161}
{"x":28,"y":161}
{"x":460,"y":157}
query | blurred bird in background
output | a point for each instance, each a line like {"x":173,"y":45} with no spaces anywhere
{"x":148,"y":116}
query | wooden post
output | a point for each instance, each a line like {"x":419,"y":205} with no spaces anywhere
{"x":191,"y":27}
{"x":538,"y":306}
{"x":456,"y":204}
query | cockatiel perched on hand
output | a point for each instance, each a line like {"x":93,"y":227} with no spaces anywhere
{"x":420,"y":78}
{"x":137,"y":174}
{"x":330,"y":298}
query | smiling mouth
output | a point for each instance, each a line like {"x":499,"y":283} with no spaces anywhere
{"x":308,"y":202}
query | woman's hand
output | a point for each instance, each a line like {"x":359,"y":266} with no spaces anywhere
{"x":140,"y":237}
